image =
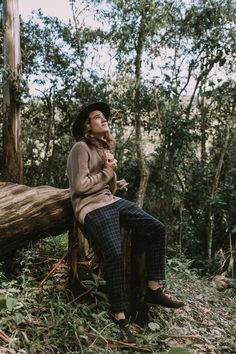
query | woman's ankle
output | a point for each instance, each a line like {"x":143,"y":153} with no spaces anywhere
{"x":154,"y":284}
{"x":119,"y":316}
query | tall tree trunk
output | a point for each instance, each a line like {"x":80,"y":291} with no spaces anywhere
{"x":137,"y":252}
{"x":211,"y":214}
{"x":203,"y":124}
{"x":12,"y":139}
{"x":144,"y":171}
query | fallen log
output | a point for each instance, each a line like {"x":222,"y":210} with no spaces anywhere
{"x":30,"y":213}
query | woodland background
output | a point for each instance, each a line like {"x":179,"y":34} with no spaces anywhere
{"x":167,"y":68}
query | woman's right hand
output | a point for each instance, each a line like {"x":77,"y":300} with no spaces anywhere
{"x":110,"y":161}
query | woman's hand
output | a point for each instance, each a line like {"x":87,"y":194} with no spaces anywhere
{"x":122,"y":184}
{"x":110,"y":161}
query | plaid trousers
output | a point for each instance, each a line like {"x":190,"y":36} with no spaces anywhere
{"x":102,"y":226}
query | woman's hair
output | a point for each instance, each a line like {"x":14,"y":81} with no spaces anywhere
{"x":107,"y":141}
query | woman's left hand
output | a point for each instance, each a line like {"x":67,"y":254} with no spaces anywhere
{"x":122,"y":184}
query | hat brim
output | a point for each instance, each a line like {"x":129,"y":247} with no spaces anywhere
{"x":78,"y":125}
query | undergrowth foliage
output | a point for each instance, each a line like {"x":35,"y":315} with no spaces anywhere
{"x":49,"y":320}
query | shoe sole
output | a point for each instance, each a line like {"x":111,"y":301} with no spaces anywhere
{"x":168,"y":307}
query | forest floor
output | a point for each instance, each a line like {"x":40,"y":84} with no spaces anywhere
{"x":48,"y":320}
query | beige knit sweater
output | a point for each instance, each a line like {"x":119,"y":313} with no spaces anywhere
{"x":92,"y":185}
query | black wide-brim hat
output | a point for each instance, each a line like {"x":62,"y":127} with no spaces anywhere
{"x":78,"y":125}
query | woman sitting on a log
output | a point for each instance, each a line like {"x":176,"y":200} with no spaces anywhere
{"x":92,"y":176}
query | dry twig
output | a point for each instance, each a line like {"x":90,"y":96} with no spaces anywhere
{"x":4,"y":337}
{"x":112,"y":342}
{"x":53,"y":269}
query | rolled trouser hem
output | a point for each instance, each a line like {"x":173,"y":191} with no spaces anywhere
{"x":156,"y":277}
{"x":118,"y":308}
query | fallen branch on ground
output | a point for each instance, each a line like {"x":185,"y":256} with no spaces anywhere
{"x":53,"y":270}
{"x":112,"y":343}
{"x":4,"y":337}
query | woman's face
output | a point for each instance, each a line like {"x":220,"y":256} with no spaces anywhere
{"x":97,"y":123}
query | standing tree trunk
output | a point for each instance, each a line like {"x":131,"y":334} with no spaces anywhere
{"x":12,"y":139}
{"x":211,"y":214}
{"x":144,"y":171}
{"x":137,"y":252}
{"x":203,"y":125}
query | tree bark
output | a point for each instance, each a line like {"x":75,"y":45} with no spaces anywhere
{"x":144,"y":171}
{"x":134,"y":248}
{"x":216,"y":179}
{"x":28,"y":214}
{"x":12,"y":139}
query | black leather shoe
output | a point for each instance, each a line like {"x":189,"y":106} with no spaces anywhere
{"x":126,"y":333}
{"x":157,"y":297}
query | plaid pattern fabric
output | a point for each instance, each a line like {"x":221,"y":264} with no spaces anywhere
{"x":103,"y":227}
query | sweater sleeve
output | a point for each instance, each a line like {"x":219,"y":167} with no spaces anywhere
{"x":113,"y":185}
{"x":82,"y":182}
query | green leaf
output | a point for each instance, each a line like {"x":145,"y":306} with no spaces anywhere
{"x":153,"y":326}
{"x":18,"y":318}
{"x":11,"y":303}
{"x":179,"y":351}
